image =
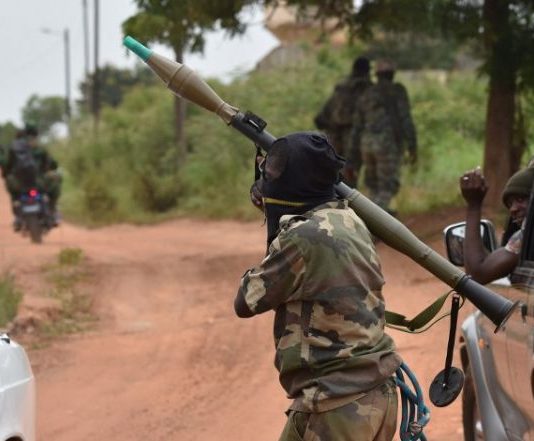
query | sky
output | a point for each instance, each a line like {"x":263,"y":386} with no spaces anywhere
{"x":33,"y":61}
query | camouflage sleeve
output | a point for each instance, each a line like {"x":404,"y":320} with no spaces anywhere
{"x":276,"y":280}
{"x":9,"y":161}
{"x":356,"y":133}
{"x":403,"y":108}
{"x":323,"y":120}
{"x":47,"y":161}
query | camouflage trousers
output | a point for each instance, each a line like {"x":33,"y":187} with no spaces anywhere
{"x":341,"y":141}
{"x":370,"y":418}
{"x":382,"y":175}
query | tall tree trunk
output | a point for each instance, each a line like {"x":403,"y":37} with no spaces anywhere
{"x":179,"y":118}
{"x":499,"y":155}
{"x":498,"y":151}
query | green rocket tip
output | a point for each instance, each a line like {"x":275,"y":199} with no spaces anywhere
{"x":137,"y":48}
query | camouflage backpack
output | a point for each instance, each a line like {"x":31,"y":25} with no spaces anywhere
{"x":344,"y":100}
{"x":25,"y":167}
{"x":340,"y":106}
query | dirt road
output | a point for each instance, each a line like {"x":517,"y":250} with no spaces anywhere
{"x":168,"y":360}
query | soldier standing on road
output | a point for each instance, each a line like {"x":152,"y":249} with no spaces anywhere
{"x":336,"y":116}
{"x":322,"y":277}
{"x":382,"y":128}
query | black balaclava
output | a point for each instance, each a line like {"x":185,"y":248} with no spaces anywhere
{"x":299,"y":173}
{"x":361,"y":67}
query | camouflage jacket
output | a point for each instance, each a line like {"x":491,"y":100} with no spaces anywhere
{"x":382,"y":119}
{"x":322,"y":276}
{"x":43,"y":160}
{"x":337,"y":112}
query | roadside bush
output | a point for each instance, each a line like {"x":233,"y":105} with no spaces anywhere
{"x":70,"y":256}
{"x":98,"y":199}
{"x":10,"y":297}
{"x":155,"y":193}
{"x":132,"y":170}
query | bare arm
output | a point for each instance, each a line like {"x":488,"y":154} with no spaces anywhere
{"x":482,"y":267}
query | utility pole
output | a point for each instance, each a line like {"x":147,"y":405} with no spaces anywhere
{"x":66,"y":49}
{"x":96,"y":79}
{"x":85,"y":38}
{"x":66,"y":42}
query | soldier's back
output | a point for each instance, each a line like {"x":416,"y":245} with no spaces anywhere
{"x":375,"y":106}
{"x":344,"y":98}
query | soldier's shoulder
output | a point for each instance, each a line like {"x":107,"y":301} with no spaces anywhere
{"x":370,"y":94}
{"x":399,"y":87}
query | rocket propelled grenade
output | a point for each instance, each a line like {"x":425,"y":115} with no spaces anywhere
{"x":182,"y":80}
{"x":185,"y":83}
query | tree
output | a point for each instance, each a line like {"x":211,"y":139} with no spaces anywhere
{"x":7,"y":133}
{"x":182,"y":25}
{"x":44,"y":111}
{"x":114,"y":82}
{"x":501,"y":30}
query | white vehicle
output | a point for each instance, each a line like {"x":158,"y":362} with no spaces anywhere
{"x":17,"y":393}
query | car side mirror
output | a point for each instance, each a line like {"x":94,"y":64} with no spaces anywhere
{"x":454,"y":240}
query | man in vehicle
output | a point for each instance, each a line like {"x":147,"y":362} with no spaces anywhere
{"x":480,"y":265}
{"x":322,"y":277}
{"x":336,"y":116}
{"x":382,"y":128}
{"x":27,"y":165}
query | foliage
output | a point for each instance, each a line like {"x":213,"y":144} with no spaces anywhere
{"x":10,"y":297}
{"x":450,"y":127}
{"x":182,"y":25}
{"x":114,"y":82}
{"x":70,"y":256}
{"x":44,"y":111}
{"x":65,"y":277}
{"x":7,"y":133}
{"x":130,"y":167}
{"x":505,"y":45}
{"x":129,"y":172}
{"x":414,"y":51}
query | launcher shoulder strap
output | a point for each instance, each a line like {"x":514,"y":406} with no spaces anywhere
{"x":421,"y":320}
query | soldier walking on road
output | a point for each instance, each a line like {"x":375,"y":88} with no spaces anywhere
{"x":382,"y":127}
{"x":336,"y":116}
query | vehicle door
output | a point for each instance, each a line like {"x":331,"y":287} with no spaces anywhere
{"x":520,"y":330}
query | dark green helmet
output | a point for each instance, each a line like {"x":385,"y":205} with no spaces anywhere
{"x":30,"y":128}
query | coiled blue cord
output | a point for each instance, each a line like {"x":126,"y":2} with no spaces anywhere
{"x":415,"y":414}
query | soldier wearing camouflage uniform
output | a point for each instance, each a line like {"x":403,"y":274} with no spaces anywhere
{"x":336,"y":117}
{"x":382,"y":128}
{"x":322,"y":277}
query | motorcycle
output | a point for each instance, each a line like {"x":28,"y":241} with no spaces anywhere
{"x":33,"y":214}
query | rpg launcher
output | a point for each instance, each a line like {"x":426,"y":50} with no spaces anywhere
{"x":185,"y":83}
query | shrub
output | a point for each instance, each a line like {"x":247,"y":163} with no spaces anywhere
{"x":155,"y":193}
{"x":10,"y":297}
{"x":98,"y":199}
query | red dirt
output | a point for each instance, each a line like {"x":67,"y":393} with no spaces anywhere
{"x":168,"y":359}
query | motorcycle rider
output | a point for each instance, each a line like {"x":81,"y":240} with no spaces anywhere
{"x":30,"y":165}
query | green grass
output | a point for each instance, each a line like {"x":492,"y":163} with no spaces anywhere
{"x":65,"y":277}
{"x":10,"y":297}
